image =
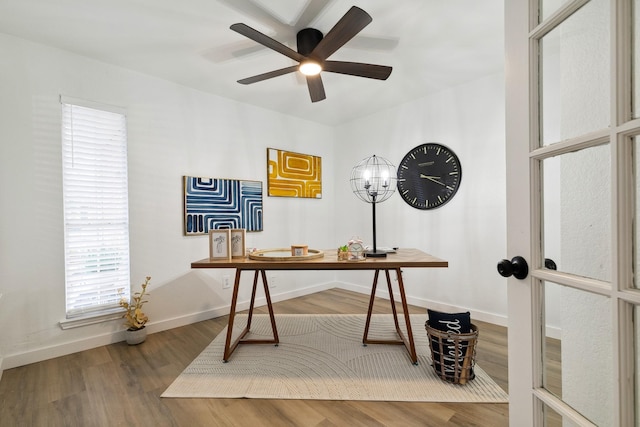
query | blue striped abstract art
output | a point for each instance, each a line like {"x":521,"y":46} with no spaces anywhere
{"x":212,"y":203}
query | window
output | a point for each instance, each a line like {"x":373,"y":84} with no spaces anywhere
{"x":96,"y":212}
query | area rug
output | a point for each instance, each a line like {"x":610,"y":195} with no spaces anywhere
{"x":322,"y":357}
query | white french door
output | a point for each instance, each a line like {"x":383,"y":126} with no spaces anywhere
{"x":573,"y":154}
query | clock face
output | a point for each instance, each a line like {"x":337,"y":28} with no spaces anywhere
{"x":355,"y":247}
{"x":429,"y":176}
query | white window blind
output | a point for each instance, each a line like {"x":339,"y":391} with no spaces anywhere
{"x":96,"y":211}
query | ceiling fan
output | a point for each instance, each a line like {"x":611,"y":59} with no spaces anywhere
{"x":314,"y":49}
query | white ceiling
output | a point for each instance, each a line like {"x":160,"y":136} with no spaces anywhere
{"x":431,"y":45}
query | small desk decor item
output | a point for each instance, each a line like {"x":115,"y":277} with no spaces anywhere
{"x":238,"y":237}
{"x":299,"y":250}
{"x":284,"y":254}
{"x":220,"y":244}
{"x":373,"y":180}
{"x":355,"y":250}
{"x":343,"y":253}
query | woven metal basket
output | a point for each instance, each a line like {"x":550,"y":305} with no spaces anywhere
{"x":453,"y":354}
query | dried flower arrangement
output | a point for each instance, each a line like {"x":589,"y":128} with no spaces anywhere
{"x":136,"y":319}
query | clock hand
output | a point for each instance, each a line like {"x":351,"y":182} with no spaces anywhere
{"x":433,"y":179}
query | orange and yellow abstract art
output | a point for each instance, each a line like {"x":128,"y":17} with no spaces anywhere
{"x":293,"y":174}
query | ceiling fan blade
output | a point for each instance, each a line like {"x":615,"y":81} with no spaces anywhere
{"x":267,"y":41}
{"x":347,"y":27}
{"x":269,"y":75}
{"x":371,"y":71}
{"x":316,"y":88}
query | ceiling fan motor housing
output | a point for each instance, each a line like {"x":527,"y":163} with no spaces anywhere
{"x":307,"y":40}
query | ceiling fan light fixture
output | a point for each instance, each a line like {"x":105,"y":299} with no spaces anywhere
{"x":310,"y":68}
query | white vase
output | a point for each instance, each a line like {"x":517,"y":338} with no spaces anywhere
{"x":135,"y":336}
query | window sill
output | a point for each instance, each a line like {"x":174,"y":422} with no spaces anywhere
{"x":91,"y":319}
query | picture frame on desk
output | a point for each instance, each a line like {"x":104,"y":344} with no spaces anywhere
{"x":220,"y":244}
{"x":238,"y":239}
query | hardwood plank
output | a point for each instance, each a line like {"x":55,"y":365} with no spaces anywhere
{"x":121,"y":385}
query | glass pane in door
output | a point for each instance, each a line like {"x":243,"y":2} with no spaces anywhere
{"x":635,"y":147}
{"x":577,"y":353}
{"x":574,"y":81}
{"x":636,"y":60}
{"x":553,"y":419}
{"x":577,"y":213}
{"x":636,"y":317}
{"x":548,"y":7}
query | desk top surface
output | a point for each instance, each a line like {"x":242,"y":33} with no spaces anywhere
{"x":402,"y":258}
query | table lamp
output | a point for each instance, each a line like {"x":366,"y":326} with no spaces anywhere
{"x":373,"y":180}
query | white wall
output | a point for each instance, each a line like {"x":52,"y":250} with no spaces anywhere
{"x":175,"y":131}
{"x":172,"y":131}
{"x":469,"y":231}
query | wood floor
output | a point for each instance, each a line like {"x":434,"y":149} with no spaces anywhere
{"x":120,"y":385}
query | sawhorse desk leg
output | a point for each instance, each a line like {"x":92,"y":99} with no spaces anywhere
{"x":229,"y":346}
{"x":407,"y":341}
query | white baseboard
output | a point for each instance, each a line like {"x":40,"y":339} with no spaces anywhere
{"x":63,"y":349}
{"x":44,"y":353}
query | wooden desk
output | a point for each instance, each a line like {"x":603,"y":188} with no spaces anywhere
{"x":404,"y":258}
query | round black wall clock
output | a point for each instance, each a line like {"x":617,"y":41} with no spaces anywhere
{"x":429,"y":176}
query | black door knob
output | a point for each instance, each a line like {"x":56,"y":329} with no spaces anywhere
{"x":517,"y":267}
{"x":550,"y":264}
